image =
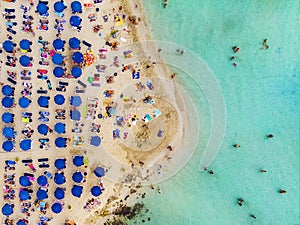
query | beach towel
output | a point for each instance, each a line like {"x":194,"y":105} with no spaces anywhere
{"x":116,"y":134}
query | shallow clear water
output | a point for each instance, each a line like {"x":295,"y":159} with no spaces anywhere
{"x":261,"y":96}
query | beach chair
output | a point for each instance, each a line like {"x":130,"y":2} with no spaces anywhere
{"x":86,"y":44}
{"x":28,"y":175}
{"x":48,"y":174}
{"x":43,"y":160}
{"x":44,"y":165}
{"x":26,"y":161}
{"x":82,"y":84}
{"x":11,"y":81}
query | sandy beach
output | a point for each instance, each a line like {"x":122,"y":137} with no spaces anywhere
{"x":125,"y":105}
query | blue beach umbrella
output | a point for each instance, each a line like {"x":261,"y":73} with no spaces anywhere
{"x":41,"y":194}
{"x":95,"y":141}
{"x":75,"y":101}
{"x":56,"y":208}
{"x":43,"y":101}
{"x":77,"y":191}
{"x":7,"y":146}
{"x":58,"y":71}
{"x":24,"y":181}
{"x":57,"y":59}
{"x":96,"y":191}
{"x":75,"y":21}
{"x":7,"y":209}
{"x":60,"y":164}
{"x":20,"y":222}
{"x":60,"y":142}
{"x":59,"y":7}
{"x":8,"y":46}
{"x":43,"y":129}
{"x":24,"y":102}
{"x":8,"y":132}
{"x":78,"y":160}
{"x":59,"y":99}
{"x":24,"y":60}
{"x":58,"y":44}
{"x":42,"y":8}
{"x":25,"y":44}
{"x":76,"y":7}
{"x":25,"y":144}
{"x":77,"y":177}
{"x":60,"y":128}
{"x":42,"y":180}
{"x":77,"y":57}
{"x":99,"y":171}
{"x":59,"y":178}
{"x":7,"y":102}
{"x":74,"y":43}
{"x":24,"y":195}
{"x":75,"y":115}
{"x":76,"y":71}
{"x":59,"y":193}
{"x":7,"y":117}
{"x":7,"y":90}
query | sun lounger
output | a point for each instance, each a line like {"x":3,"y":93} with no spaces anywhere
{"x":12,"y":81}
{"x":43,"y":119}
{"x":48,"y":174}
{"x":49,"y":84}
{"x":27,"y":161}
{"x":25,"y":78}
{"x":79,"y":91}
{"x":82,"y":84}
{"x":63,"y":83}
{"x":41,"y":91}
{"x":86,"y":44}
{"x":44,"y":165}
{"x":61,"y":89}
{"x":43,"y":160}
{"x":9,"y":10}
{"x":10,"y":17}
{"x":28,"y":175}
{"x":45,"y":2}
{"x":10,"y":162}
{"x":11,"y":30}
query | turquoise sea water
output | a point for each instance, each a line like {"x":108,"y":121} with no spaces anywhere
{"x":261,"y":96}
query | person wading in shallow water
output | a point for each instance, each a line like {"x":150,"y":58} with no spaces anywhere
{"x":236,"y":146}
{"x":165,"y":3}
{"x":240,"y":201}
{"x":282,"y":191}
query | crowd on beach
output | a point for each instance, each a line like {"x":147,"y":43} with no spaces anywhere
{"x":37,"y":11}
{"x":32,"y":190}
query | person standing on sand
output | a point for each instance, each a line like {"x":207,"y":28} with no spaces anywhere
{"x":173,"y":75}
